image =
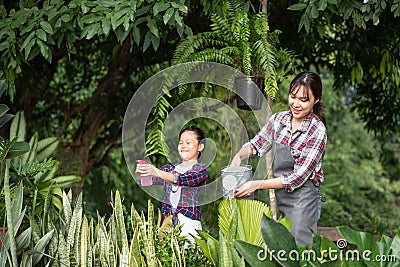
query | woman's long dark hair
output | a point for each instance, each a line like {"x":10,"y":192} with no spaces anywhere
{"x":311,"y":82}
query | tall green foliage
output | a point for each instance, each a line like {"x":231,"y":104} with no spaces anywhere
{"x":239,"y":39}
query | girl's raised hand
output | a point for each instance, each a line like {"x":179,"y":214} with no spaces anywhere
{"x":147,"y":170}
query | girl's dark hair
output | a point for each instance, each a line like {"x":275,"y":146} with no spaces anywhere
{"x":311,"y":82}
{"x":201,"y":137}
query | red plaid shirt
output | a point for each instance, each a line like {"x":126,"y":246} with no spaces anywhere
{"x":307,"y":145}
{"x":189,"y":182}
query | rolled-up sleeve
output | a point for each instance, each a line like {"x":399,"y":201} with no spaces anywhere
{"x":261,"y":143}
{"x":194,"y":177}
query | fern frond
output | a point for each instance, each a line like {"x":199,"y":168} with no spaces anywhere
{"x":198,"y":42}
{"x":247,"y":52}
{"x":241,"y":28}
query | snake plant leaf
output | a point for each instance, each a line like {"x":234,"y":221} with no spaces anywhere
{"x":84,"y":242}
{"x":278,"y":239}
{"x":40,"y":247}
{"x":75,"y":222}
{"x":67,"y":210}
{"x":255,"y":255}
{"x":23,"y":240}
{"x":237,"y":260}
{"x":225,"y":257}
{"x":122,"y":237}
{"x":135,"y":258}
{"x":62,"y":251}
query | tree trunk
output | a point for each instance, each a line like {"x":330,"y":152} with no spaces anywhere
{"x":269,"y":156}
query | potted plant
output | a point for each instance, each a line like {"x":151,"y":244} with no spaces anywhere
{"x":243,"y":41}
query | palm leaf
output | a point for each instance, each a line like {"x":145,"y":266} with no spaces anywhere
{"x":249,"y":214}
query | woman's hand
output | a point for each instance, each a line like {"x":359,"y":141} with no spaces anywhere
{"x":247,"y":189}
{"x":147,"y":170}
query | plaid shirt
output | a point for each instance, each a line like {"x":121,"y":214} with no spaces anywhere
{"x":188,"y":182}
{"x":307,"y":146}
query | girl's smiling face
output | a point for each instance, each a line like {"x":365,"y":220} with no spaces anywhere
{"x":301,"y":102}
{"x":189,"y":147}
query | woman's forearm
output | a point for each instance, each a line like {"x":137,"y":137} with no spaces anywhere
{"x":244,"y":153}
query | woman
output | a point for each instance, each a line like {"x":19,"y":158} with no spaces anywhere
{"x":180,"y":180}
{"x":298,"y":139}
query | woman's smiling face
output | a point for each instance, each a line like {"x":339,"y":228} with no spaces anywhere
{"x":301,"y":102}
{"x":189,"y":147}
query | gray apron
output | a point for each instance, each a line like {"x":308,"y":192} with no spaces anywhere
{"x":300,"y":205}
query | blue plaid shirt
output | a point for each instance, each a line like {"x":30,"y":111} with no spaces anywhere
{"x":189,"y":183}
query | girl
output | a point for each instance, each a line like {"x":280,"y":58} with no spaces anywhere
{"x":298,"y":138}
{"x":180,"y":180}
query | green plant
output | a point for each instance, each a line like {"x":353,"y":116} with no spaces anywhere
{"x":385,"y":252}
{"x":249,"y":214}
{"x":124,"y":239}
{"x":20,"y":251}
{"x":238,"y":220}
{"x":280,"y":249}
{"x":241,"y":40}
{"x":36,"y":170}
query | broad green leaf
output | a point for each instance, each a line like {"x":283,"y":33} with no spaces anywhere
{"x":278,"y":239}
{"x":151,"y":24}
{"x":28,"y":40}
{"x":178,"y":19}
{"x":41,"y":35}
{"x":44,"y":49}
{"x":155,"y":41}
{"x":29,"y":157}
{"x":255,"y":255}
{"x":136,"y":34}
{"x":106,"y":26}
{"x":46,"y":27}
{"x":4,"y":119}
{"x":159,"y":7}
{"x":66,"y":181}
{"x":91,"y":31}
{"x":17,"y":149}
{"x":147,"y":41}
{"x":168,"y":14}
{"x":323,"y":4}
{"x":18,"y":127}
{"x":46,"y":148}
{"x":297,"y":7}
